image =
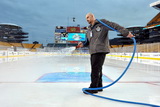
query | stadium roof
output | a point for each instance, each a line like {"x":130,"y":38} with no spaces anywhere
{"x":134,"y":26}
{"x":156,"y":5}
{"x":155,"y":22}
{"x":10,"y":24}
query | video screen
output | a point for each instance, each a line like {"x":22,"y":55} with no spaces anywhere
{"x":76,"y":36}
{"x":64,"y":38}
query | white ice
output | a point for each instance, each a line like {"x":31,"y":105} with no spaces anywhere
{"x":19,"y":86}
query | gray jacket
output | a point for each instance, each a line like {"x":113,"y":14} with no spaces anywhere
{"x":97,"y":36}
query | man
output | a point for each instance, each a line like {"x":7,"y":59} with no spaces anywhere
{"x":98,"y":42}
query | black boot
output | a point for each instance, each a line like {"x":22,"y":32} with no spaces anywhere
{"x":100,"y":90}
{"x":91,"y":91}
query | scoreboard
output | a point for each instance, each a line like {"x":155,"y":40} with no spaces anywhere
{"x":73,"y":29}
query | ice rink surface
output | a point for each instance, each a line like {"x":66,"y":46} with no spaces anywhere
{"x":57,"y":81}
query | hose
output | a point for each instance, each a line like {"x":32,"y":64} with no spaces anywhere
{"x":99,"y":88}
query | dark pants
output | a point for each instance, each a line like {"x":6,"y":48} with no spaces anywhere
{"x":97,"y":61}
